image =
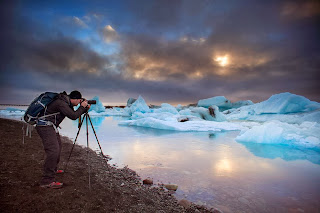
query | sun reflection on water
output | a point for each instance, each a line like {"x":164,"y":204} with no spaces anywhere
{"x":223,"y":167}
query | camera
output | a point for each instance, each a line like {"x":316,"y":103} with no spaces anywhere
{"x":89,"y":101}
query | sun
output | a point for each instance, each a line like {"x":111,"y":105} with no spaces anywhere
{"x":222,"y":60}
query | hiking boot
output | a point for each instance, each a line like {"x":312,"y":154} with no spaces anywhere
{"x":53,"y":185}
{"x":59,"y":171}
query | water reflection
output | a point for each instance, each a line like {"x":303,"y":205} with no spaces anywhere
{"x":223,"y":167}
{"x":152,"y":131}
{"x":97,"y":121}
{"x":287,"y":153}
{"x":212,"y":167}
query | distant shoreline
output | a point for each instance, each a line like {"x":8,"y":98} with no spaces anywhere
{"x":14,"y":105}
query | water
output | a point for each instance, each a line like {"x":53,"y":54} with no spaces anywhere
{"x":212,"y":168}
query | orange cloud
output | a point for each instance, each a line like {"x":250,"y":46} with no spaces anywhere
{"x":302,"y":9}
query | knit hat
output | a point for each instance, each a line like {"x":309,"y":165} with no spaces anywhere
{"x":75,"y":95}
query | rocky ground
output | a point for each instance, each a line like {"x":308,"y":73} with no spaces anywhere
{"x":112,"y":189}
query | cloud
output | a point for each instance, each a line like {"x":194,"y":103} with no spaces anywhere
{"x":167,"y":51}
{"x":108,"y":34}
{"x":60,"y":55}
{"x":72,"y":23}
{"x":301,"y":9}
{"x":151,"y":58}
{"x":79,"y":22}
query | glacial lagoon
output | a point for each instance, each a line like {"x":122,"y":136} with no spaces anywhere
{"x":211,"y":168}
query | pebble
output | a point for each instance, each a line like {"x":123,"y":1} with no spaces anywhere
{"x":223,"y":209}
{"x":148,"y":181}
{"x":173,"y":187}
{"x":244,"y":201}
{"x":185,"y":203}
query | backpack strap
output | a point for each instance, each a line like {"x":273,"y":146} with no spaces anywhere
{"x":44,"y":116}
{"x":30,"y":127}
{"x":29,"y":130}
{"x":48,"y":123}
{"x":42,"y":122}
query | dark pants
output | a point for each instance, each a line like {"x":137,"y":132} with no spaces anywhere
{"x":52,"y":146}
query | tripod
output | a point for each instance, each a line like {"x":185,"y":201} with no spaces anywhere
{"x":87,"y":118}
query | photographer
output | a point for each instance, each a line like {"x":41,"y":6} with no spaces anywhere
{"x":47,"y":129}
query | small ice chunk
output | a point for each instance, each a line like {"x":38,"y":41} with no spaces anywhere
{"x":219,"y":101}
{"x":210,"y":114}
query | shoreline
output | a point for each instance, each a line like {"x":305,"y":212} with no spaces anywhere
{"x":112,"y":189}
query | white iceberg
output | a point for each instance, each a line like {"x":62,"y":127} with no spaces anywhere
{"x":219,"y":101}
{"x":117,"y":111}
{"x":138,"y":106}
{"x":133,"y":106}
{"x":222,"y":102}
{"x":285,"y":107}
{"x":165,"y":107}
{"x":284,"y":119}
{"x":11,"y":112}
{"x":284,"y":103}
{"x":210,"y":114}
{"x":173,"y":124}
{"x":276,"y":132}
{"x":242,"y":103}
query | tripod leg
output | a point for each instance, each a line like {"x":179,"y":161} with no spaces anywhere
{"x":80,"y":125}
{"x":96,"y":136}
{"x":87,"y":115}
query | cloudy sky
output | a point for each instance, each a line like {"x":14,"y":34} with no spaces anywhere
{"x":173,"y":51}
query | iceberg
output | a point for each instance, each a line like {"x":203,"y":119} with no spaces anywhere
{"x":165,"y":107}
{"x":276,"y":132}
{"x":219,"y":101}
{"x":242,"y":103}
{"x":285,"y":107}
{"x":117,"y":111}
{"x":179,"y":107}
{"x":284,"y":103}
{"x":12,"y":109}
{"x":10,"y":112}
{"x":135,"y":107}
{"x":174,"y":125}
{"x":222,"y":102}
{"x":284,"y":119}
{"x":138,"y":106}
{"x":98,"y":107}
{"x":210,"y":114}
{"x":130,"y":101}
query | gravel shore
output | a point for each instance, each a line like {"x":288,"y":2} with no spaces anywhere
{"x":112,"y":189}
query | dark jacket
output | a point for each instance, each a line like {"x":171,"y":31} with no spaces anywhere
{"x":62,"y":104}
